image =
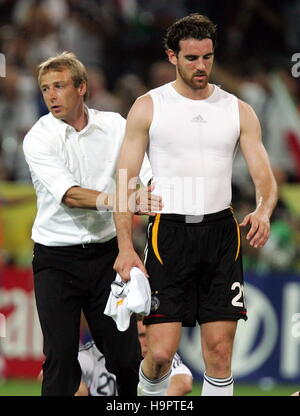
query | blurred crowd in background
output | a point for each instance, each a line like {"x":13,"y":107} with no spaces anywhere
{"x":120,"y":42}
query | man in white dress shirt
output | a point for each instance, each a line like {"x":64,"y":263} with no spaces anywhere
{"x":72,"y":153}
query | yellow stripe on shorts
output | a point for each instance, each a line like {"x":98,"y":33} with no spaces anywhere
{"x":155,"y":237}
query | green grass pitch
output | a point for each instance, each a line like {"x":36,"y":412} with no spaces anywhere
{"x":32,"y":388}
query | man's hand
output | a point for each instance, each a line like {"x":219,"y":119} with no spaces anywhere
{"x":125,"y":261}
{"x":146,"y":202}
{"x":260,"y":228}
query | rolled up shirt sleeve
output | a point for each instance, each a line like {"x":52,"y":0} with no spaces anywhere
{"x":47,"y":166}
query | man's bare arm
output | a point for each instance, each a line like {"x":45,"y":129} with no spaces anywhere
{"x":130,"y":161}
{"x":77,"y":197}
{"x":262,"y":176}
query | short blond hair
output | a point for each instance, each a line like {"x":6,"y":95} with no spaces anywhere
{"x":65,"y":60}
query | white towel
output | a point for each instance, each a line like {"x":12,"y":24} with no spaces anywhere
{"x":127,"y":298}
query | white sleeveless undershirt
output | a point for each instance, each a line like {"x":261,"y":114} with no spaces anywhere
{"x":191,"y":149}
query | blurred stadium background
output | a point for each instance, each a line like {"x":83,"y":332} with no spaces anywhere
{"x":120,"y":43}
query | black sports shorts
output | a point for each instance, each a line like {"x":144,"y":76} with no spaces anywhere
{"x":195,"y":268}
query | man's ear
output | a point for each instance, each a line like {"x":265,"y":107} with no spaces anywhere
{"x":82,"y":88}
{"x":171,"y":56}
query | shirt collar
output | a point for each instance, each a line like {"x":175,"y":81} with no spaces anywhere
{"x":63,"y":127}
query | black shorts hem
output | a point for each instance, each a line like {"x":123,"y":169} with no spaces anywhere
{"x":163,"y":320}
{"x":224,"y":318}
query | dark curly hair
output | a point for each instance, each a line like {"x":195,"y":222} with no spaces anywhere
{"x":195,"y":26}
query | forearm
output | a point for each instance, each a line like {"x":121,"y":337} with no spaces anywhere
{"x":77,"y":197}
{"x":123,"y":214}
{"x":266,"y":195}
{"x":123,"y":222}
{"x":257,"y":160}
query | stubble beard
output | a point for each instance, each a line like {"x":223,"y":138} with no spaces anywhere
{"x":192,"y":82}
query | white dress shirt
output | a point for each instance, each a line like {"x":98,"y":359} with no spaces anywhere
{"x":59,"y":157}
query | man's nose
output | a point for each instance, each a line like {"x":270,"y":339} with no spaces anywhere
{"x":52,"y":94}
{"x":200,"y":65}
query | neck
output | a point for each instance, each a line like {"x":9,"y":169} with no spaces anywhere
{"x":79,"y":120}
{"x":194,"y":94}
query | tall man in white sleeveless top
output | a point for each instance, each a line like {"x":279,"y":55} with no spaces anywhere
{"x":191,"y":130}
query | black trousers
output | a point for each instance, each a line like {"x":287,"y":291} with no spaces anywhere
{"x":69,"y":280}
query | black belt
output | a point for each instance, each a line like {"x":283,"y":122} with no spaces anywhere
{"x":84,"y":245}
{"x":112,"y":241}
